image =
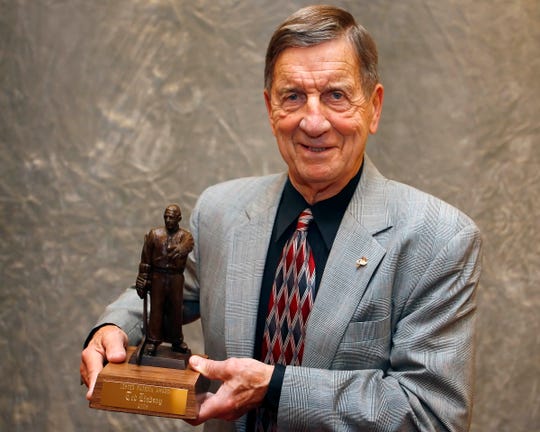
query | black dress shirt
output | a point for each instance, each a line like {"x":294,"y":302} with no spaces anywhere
{"x":327,"y":216}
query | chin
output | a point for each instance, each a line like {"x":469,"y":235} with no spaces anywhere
{"x":317,"y":183}
{"x":324,"y":175}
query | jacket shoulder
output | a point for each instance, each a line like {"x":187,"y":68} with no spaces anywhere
{"x":241,"y":192}
{"x":243,"y":185}
{"x":416,"y":212}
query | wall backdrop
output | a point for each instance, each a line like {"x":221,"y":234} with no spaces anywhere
{"x":110,"y":110}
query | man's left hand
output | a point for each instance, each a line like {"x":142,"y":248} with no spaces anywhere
{"x":174,"y":252}
{"x":245,"y":383}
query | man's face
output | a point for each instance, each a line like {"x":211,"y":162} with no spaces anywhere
{"x":171,"y":218}
{"x":320,"y":116}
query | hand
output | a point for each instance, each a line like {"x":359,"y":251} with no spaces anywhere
{"x":108,"y":344}
{"x":141,"y":285}
{"x":179,"y":251}
{"x":245,"y":383}
{"x":182,"y":249}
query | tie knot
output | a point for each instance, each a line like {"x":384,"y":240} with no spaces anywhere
{"x":303,"y":221}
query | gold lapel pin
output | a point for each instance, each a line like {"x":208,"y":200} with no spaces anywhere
{"x":361,"y":262}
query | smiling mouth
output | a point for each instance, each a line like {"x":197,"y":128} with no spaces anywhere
{"x":315,"y":149}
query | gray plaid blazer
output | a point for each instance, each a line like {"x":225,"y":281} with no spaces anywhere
{"x":389,"y":342}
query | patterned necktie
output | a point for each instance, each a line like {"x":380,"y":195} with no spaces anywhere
{"x":289,"y":306}
{"x":291,"y":299}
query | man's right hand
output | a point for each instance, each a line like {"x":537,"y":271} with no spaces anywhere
{"x":107,"y":345}
{"x":141,"y":285}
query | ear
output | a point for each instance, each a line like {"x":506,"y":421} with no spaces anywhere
{"x":376,"y":102}
{"x":268,"y":104}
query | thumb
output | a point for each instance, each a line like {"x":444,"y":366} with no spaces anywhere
{"x":206,"y":367}
{"x":114,"y":344}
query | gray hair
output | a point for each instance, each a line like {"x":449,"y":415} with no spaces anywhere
{"x":316,"y":24}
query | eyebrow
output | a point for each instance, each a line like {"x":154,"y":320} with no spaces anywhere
{"x":341,"y":85}
{"x":348,"y":87}
{"x":288,"y":89}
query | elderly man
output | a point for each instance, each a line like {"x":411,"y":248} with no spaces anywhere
{"x":331,"y":298}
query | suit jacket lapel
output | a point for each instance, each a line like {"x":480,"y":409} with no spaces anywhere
{"x":344,"y":280}
{"x":245,"y":270}
{"x":343,"y":283}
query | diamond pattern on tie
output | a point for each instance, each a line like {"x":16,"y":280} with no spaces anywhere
{"x":291,"y":299}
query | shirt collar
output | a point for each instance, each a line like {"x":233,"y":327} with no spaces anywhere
{"x":327,"y":214}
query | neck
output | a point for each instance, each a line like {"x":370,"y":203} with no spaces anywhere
{"x":314,"y":192}
{"x":174,"y":230}
{"x":314,"y":195}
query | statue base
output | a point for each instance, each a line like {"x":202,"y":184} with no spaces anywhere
{"x":157,"y":390}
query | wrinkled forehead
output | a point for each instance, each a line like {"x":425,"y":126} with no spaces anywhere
{"x":322,"y":63}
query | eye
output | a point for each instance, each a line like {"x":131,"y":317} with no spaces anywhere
{"x":337,"y":100}
{"x":292,"y":97}
{"x":292,"y":100}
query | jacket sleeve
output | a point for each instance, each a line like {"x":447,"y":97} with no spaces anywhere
{"x":126,"y":313}
{"x":428,"y":384}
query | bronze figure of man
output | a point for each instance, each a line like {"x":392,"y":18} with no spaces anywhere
{"x":161,"y":273}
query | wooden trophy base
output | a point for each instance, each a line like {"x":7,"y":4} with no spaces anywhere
{"x":148,"y":390}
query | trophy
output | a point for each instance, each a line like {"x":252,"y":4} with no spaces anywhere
{"x":156,"y":378}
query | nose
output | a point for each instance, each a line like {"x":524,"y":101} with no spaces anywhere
{"x":314,"y":122}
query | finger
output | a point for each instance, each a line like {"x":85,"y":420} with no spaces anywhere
{"x":107,"y":344}
{"x":83,"y":373}
{"x":91,"y":366}
{"x":214,"y":407}
{"x":209,"y":368}
{"x":90,"y":391}
{"x":201,"y":398}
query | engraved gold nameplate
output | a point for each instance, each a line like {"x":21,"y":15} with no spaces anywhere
{"x":145,"y":397}
{"x":148,"y":390}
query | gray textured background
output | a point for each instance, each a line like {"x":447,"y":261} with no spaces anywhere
{"x":109,"y":110}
